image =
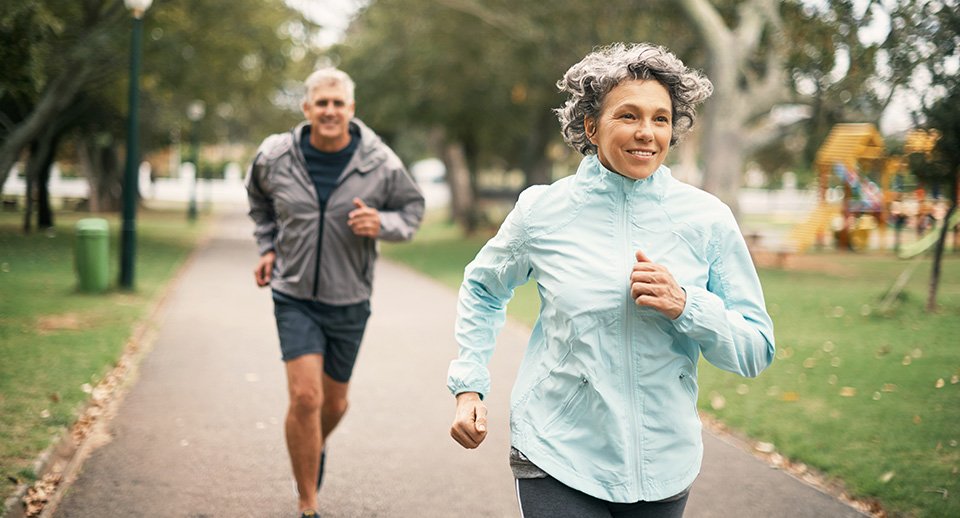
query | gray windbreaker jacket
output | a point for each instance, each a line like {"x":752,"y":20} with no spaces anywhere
{"x":318,"y":256}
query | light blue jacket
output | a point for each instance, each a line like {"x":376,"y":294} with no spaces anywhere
{"x":605,"y":399}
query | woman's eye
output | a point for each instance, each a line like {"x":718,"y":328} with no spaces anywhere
{"x":627,"y":116}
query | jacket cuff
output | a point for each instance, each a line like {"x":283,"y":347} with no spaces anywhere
{"x":467,"y":376}
{"x":691,"y":309}
{"x":264,"y":248}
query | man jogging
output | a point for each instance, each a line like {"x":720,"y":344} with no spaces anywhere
{"x":321,"y":196}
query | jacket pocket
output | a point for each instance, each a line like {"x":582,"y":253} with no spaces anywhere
{"x":570,"y":405}
{"x":689,"y":384}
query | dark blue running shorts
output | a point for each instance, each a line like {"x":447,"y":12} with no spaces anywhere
{"x":310,"y":327}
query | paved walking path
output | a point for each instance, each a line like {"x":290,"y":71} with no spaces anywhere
{"x":200,"y":432}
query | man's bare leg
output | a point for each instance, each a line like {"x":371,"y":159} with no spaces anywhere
{"x":303,"y":425}
{"x":334,"y":404}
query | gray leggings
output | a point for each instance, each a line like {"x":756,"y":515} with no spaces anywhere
{"x":549,"y":498}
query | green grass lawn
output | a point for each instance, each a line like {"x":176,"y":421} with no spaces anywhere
{"x":869,"y":399}
{"x":55,"y":340}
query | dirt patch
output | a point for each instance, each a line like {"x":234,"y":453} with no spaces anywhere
{"x":799,"y":262}
{"x":49,"y":324}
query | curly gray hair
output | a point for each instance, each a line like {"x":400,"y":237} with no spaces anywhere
{"x":328,"y":76}
{"x":589,"y":81}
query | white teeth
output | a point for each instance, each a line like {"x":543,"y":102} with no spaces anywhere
{"x":642,"y":153}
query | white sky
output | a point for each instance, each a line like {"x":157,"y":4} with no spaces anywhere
{"x":332,"y":15}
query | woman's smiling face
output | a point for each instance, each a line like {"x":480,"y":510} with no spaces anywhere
{"x":633,"y":132}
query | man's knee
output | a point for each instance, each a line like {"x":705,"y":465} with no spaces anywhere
{"x":335,"y":406}
{"x":306,"y":399}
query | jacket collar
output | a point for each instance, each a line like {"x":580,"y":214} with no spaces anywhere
{"x":369,"y":154}
{"x":593,"y":175}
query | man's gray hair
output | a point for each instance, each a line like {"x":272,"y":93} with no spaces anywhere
{"x":328,"y":76}
{"x":588,"y":82}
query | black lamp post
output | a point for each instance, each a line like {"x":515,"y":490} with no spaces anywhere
{"x":195,"y":112}
{"x":128,"y":232}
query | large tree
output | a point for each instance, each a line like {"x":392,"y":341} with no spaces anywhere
{"x":481,"y":73}
{"x":478,"y":78}
{"x":66,"y":76}
{"x":937,"y":46}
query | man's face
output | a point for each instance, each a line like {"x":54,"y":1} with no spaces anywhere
{"x":329,"y":111}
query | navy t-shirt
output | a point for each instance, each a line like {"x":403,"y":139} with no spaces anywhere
{"x":326,"y":168}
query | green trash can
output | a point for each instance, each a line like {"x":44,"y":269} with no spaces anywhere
{"x":92,"y":254}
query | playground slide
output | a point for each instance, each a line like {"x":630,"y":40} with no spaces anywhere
{"x":927,"y":241}
{"x":863,"y":188}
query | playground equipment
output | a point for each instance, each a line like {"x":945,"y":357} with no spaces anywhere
{"x":850,"y":154}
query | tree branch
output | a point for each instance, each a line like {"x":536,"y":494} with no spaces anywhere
{"x":511,"y":25}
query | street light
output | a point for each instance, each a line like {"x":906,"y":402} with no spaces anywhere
{"x":195,"y":111}
{"x":128,"y":233}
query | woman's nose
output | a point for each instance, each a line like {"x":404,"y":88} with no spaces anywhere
{"x":644,"y":131}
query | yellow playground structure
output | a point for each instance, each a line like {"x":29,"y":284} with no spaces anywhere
{"x":853,"y":157}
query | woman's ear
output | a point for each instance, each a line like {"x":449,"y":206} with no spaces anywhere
{"x":590,"y":127}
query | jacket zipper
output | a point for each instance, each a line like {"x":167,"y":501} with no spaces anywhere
{"x":628,"y":342}
{"x":323,"y":211}
{"x":316,"y":271}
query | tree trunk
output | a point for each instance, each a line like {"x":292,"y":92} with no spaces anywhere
{"x":462,"y":199}
{"x":463,"y":208}
{"x":60,"y":94}
{"x":738,"y":96}
{"x":44,"y":210}
{"x":29,"y":183}
{"x":722,"y":139}
{"x":101,"y":167}
{"x":42,"y":152}
{"x":938,"y":259}
{"x":536,"y":164}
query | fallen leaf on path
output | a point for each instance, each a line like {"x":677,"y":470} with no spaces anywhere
{"x":889,"y":387}
{"x":765,"y":447}
{"x":917,"y":419}
{"x":790,"y":396}
{"x":717,"y":401}
{"x":939,"y":383}
{"x":848,"y":391}
{"x":887,"y":477}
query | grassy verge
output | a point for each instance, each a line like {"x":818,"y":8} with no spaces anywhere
{"x":870,"y":399}
{"x":56,"y":342}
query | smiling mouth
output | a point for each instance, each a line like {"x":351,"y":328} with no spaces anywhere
{"x":642,"y":154}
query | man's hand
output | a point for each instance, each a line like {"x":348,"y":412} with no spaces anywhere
{"x":264,"y":270}
{"x":364,"y":221}
{"x":652,"y":285}
{"x":470,"y":423}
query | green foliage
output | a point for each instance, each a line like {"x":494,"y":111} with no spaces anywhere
{"x":53,"y":339}
{"x":238,"y":56}
{"x":485,"y":72}
{"x":74,"y":57}
{"x":869,"y":399}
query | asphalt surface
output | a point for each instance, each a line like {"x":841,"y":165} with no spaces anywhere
{"x":199,"y":433}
